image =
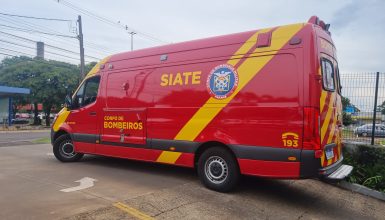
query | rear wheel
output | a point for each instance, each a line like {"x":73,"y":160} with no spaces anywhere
{"x":218,"y":170}
{"x":64,"y":150}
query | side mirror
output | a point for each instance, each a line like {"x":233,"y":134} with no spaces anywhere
{"x":68,"y":102}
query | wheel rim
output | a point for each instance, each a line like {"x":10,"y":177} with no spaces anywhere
{"x":67,"y":149}
{"x":364,"y":134}
{"x":216,"y":169}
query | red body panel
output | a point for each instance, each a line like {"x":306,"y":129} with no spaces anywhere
{"x":272,"y":169}
{"x":156,"y":94}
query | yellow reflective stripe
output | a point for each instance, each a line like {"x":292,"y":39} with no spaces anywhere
{"x":62,"y":116}
{"x":172,"y":157}
{"x":96,"y":68}
{"x":240,"y":53}
{"x":324,"y":94}
{"x":247,"y":71}
{"x":332,"y":130}
{"x":326,"y":121}
{"x":168,"y":157}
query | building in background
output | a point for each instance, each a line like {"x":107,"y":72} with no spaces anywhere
{"x":6,"y":94}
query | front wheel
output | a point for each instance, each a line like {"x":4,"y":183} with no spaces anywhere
{"x":64,"y":150}
{"x":218,"y":169}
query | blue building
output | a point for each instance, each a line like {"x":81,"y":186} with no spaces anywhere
{"x":6,"y":94}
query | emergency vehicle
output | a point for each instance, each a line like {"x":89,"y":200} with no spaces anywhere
{"x":265,"y":103}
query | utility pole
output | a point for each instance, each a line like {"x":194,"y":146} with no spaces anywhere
{"x":132,"y":40}
{"x":80,"y":37}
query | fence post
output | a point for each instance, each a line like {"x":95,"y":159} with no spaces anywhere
{"x":375,"y":107}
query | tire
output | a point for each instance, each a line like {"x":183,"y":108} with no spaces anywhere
{"x":64,"y":150}
{"x":364,"y":134}
{"x":218,"y":169}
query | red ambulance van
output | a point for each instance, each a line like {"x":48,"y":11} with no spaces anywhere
{"x":264,"y":103}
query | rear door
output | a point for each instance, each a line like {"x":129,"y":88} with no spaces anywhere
{"x":330,"y":111}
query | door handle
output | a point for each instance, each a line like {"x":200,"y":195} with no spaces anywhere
{"x":93,"y":113}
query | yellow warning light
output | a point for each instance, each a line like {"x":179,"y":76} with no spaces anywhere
{"x":172,"y":148}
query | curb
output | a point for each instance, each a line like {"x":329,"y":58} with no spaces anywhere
{"x":363,"y":190}
{"x":24,"y":131}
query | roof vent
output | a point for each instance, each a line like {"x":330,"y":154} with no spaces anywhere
{"x":264,"y":39}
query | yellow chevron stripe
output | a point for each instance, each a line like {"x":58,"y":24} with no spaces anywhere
{"x":324,"y":95}
{"x":247,"y":71}
{"x":96,"y":68}
{"x":172,"y":157}
{"x":326,"y":121}
{"x":332,"y":130}
{"x":240,"y":53}
{"x":168,"y":157}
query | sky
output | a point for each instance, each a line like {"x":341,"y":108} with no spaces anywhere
{"x":357,"y":27}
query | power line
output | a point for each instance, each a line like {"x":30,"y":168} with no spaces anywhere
{"x":109,"y":21}
{"x":97,"y":48}
{"x":33,"y":28}
{"x":58,"y":48}
{"x":27,"y":24}
{"x":6,"y":54}
{"x":31,"y":17}
{"x":69,"y":51}
{"x":30,"y":30}
{"x":61,"y":56}
{"x":2,"y":48}
{"x":9,"y":42}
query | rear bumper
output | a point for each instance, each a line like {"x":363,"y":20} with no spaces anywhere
{"x":311,"y":167}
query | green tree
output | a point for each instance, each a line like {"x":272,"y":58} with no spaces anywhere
{"x":49,"y":81}
{"x":347,"y":118}
{"x":381,"y":108}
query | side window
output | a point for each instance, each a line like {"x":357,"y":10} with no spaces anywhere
{"x":327,"y":75}
{"x":78,"y":98}
{"x":87,"y":92}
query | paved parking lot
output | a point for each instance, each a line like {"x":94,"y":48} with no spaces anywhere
{"x":12,"y":138}
{"x":31,"y":180}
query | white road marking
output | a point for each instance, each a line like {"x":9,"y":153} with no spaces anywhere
{"x":50,"y":154}
{"x":85,"y":182}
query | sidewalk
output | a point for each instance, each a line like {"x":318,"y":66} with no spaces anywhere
{"x":24,"y":128}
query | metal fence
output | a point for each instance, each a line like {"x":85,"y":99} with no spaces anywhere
{"x":364,"y":108}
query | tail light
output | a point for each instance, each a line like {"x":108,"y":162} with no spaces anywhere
{"x":311,"y":133}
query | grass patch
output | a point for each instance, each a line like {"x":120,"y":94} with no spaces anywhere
{"x":347,"y":133}
{"x":45,"y":140}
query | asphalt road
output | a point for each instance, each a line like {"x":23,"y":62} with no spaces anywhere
{"x":12,"y":138}
{"x":31,"y":180}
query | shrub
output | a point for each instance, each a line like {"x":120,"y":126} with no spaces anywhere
{"x":369,"y":166}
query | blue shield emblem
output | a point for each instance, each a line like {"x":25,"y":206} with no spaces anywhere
{"x":222,"y":81}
